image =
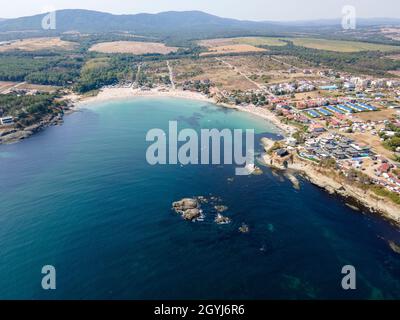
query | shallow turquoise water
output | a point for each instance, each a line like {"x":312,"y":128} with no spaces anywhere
{"x":82,"y":197}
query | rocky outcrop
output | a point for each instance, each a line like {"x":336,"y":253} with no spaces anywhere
{"x":191,"y":214}
{"x":221,"y":209}
{"x":394,"y":246}
{"x":244,"y":228}
{"x":188,"y":208}
{"x":257,"y":171}
{"x":185,"y":204}
{"x":295,"y":182}
{"x":13,"y":135}
{"x":220,"y":219}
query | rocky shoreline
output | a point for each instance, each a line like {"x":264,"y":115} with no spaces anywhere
{"x":354,"y":197}
{"x":13,"y":135}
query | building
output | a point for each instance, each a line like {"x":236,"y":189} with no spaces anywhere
{"x":316,"y":128}
{"x":384,"y":168}
{"x":6,"y":121}
{"x":349,"y":86}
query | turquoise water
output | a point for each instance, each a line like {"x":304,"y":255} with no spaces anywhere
{"x":82,"y":197}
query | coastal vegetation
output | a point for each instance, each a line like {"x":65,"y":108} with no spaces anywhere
{"x":29,"y":109}
{"x":40,"y":68}
{"x":392,"y":142}
{"x":383,"y":192}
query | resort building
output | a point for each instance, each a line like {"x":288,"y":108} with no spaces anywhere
{"x":6,"y":121}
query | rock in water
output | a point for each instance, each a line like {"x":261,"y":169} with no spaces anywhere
{"x":220,"y":219}
{"x":221,"y":209}
{"x":271,"y":227}
{"x":191,"y":214}
{"x":185,"y":204}
{"x":293,"y":180}
{"x":244,"y":228}
{"x":189,"y":209}
{"x":257,"y":171}
{"x":202,"y":199}
{"x":394,"y":246}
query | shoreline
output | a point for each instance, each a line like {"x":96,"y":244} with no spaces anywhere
{"x":349,"y":194}
{"x":363,"y":200}
{"x":114,"y":94}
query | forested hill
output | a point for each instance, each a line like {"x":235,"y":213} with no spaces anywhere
{"x":144,"y":24}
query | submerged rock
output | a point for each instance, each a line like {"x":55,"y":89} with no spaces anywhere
{"x":271,"y":227}
{"x":221,"y":209}
{"x":394,"y":246}
{"x":202,"y":199}
{"x":220,"y":219}
{"x":295,"y":182}
{"x":244,"y":228}
{"x":257,"y":171}
{"x":352,"y":207}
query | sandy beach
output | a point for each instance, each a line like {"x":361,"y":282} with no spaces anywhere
{"x":109,"y":94}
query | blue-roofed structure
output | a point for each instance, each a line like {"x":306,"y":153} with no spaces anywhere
{"x":324,"y":112}
{"x":332,"y":87}
{"x":356,"y":107}
{"x":333,"y":109}
{"x":344,"y":108}
{"x":370,"y":108}
{"x":313,"y":113}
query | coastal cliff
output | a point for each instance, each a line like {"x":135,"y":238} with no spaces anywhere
{"x":335,"y":184}
{"x":355,"y":196}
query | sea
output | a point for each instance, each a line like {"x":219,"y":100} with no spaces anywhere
{"x":82,"y":198}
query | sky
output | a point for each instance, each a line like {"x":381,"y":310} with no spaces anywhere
{"x":277,"y":10}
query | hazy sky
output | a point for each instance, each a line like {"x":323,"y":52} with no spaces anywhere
{"x":240,"y":9}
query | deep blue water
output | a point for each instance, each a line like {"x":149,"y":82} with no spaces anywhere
{"x":82,"y":197}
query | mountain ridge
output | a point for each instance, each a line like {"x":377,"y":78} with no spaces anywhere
{"x":185,"y":24}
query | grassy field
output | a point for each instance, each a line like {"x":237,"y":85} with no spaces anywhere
{"x":341,"y":46}
{"x":132,"y":47}
{"x":321,"y":44}
{"x":260,"y":41}
{"x":235,"y":48}
{"x":209,"y":68}
{"x":96,"y":63}
{"x":251,"y":41}
{"x":37,"y":44}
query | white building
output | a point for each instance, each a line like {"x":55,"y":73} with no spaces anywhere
{"x":6,"y":121}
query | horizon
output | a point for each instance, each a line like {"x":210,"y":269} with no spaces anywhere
{"x":205,"y":12}
{"x":255,"y":10}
